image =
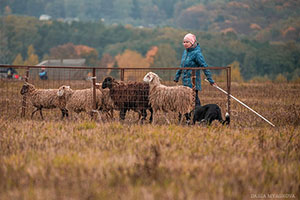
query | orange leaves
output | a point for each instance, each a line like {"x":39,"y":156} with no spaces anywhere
{"x":64,"y":51}
{"x":83,"y":49}
{"x":151,"y":53}
{"x":133,"y":59}
{"x":70,"y":50}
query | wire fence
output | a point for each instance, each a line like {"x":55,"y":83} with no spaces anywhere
{"x":13,"y":105}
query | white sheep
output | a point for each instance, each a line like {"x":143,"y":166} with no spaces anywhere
{"x":164,"y":98}
{"x":44,"y":98}
{"x":80,"y":100}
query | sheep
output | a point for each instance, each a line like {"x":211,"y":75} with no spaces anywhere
{"x":80,"y":100}
{"x":164,"y":98}
{"x":129,"y":96}
{"x":44,"y":98}
{"x":107,"y":105}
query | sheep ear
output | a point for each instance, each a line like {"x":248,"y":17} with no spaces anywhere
{"x":68,"y":87}
{"x":151,"y":78}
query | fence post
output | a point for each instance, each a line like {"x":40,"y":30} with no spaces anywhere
{"x":24,"y":96}
{"x":122,"y":74}
{"x":94,"y":89}
{"x":228,"y":72}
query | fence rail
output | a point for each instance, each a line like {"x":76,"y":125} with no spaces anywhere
{"x":59,"y":75}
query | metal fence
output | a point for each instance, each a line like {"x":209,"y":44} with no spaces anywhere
{"x":13,"y":105}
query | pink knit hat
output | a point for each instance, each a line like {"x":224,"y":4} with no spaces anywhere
{"x":190,"y":37}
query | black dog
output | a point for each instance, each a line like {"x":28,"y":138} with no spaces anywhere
{"x":209,"y":113}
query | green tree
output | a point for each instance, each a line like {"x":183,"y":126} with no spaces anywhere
{"x":165,"y":57}
{"x":18,"y":60}
{"x":20,"y":32}
{"x":166,"y":6}
{"x":235,"y":72}
{"x":91,"y":58}
{"x":4,"y":50}
{"x":32,"y":58}
{"x":114,"y":72}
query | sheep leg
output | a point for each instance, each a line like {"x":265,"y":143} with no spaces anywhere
{"x":140,"y":114}
{"x":165,"y":115}
{"x":179,"y":117}
{"x":153,"y":119}
{"x":99,"y":115}
{"x":41,"y":114}
{"x":64,"y":113}
{"x":151,"y":115}
{"x":36,"y":109}
{"x":111,"y":113}
{"x":144,"y":115}
{"x":123,"y":114}
{"x":93,"y":113}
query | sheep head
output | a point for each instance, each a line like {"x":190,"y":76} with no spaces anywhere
{"x":151,"y":78}
{"x":98,"y":86}
{"x":108,"y":82}
{"x":26,"y":87}
{"x":63,"y":90}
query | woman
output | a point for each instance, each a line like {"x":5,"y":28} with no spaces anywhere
{"x":192,"y":57}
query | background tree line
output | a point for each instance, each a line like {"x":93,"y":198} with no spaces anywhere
{"x":26,"y":39}
{"x":264,"y":20}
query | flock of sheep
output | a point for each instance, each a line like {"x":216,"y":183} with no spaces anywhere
{"x":116,"y":95}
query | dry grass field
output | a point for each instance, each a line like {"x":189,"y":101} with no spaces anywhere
{"x":84,"y":159}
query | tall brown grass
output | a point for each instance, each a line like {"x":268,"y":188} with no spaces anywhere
{"x":85,"y":159}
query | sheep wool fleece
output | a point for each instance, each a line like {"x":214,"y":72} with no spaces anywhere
{"x":192,"y":57}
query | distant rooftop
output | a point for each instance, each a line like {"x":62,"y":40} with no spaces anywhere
{"x":62,"y":73}
{"x":63,"y":62}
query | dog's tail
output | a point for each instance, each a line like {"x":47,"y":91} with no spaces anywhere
{"x":227,"y":119}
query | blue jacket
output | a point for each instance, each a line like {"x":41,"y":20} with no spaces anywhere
{"x":192,"y":57}
{"x":43,"y":73}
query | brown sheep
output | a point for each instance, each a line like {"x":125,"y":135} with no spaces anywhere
{"x":129,"y":96}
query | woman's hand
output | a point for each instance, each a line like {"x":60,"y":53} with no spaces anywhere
{"x":213,"y":84}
